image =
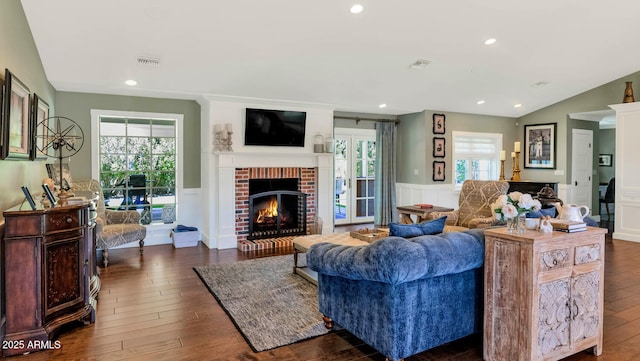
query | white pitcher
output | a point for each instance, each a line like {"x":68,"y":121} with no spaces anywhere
{"x":572,"y":212}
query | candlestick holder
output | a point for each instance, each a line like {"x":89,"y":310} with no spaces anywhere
{"x":501,"y":170}
{"x":223,"y":142}
{"x":516,"y":168}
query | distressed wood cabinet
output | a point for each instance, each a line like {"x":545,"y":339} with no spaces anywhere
{"x":50,"y":274}
{"x":543,"y":294}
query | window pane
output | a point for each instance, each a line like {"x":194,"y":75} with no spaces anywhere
{"x":163,"y":179}
{"x":138,"y":128}
{"x":113,"y":162}
{"x":461,"y":170}
{"x":370,"y":212}
{"x":371,"y":168}
{"x":163,"y":145}
{"x":112,"y":145}
{"x":114,"y":127}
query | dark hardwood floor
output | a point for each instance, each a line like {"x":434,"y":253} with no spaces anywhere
{"x":154,"y":307}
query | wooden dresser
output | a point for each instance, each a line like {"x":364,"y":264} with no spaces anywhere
{"x":543,"y":294}
{"x":50,"y":274}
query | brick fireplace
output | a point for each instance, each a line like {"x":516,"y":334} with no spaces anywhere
{"x":307,"y":178}
{"x":225,"y":221}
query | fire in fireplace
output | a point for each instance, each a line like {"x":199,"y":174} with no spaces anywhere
{"x":276,"y":208}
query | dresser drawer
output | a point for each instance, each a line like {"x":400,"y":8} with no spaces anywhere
{"x":587,"y":253}
{"x":554,"y":259}
{"x":57,"y":221}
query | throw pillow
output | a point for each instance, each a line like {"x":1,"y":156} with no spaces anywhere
{"x":551,"y":212}
{"x":435,"y":226}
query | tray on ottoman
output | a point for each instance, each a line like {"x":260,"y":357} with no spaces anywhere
{"x":369,"y":235}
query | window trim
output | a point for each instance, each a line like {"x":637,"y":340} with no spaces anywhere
{"x":96,"y":114}
{"x":495,"y":158}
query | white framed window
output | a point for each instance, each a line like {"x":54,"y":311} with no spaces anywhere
{"x":135,"y":156}
{"x":475,"y":156}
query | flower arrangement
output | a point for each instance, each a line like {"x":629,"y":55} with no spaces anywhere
{"x":513,"y":205}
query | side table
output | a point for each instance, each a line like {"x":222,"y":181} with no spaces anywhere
{"x":406,"y":212}
{"x":544,"y":294}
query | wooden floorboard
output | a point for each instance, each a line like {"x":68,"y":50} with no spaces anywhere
{"x":155,"y":308}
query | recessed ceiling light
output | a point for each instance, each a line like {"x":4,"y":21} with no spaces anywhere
{"x":131,"y":82}
{"x":489,"y":41}
{"x":480,"y":102}
{"x":517,"y":105}
{"x":382,"y":106}
{"x":357,"y":9}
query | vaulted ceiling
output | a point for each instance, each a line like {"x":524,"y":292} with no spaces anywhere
{"x":319,"y":52}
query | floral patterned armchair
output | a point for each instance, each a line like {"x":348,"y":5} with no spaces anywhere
{"x":113,"y":228}
{"x":474,"y":209}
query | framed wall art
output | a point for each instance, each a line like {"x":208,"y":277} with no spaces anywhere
{"x":16,"y":137}
{"x":540,"y":146}
{"x":438,"y":171}
{"x":605,"y":160}
{"x":438,"y":147}
{"x":438,"y":124}
{"x":39,"y":112}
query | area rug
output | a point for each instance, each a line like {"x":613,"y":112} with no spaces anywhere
{"x":270,"y":306}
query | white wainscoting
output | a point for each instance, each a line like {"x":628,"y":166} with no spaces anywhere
{"x":444,"y":195}
{"x":188,"y":214}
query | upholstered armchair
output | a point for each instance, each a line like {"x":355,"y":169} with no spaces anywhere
{"x":113,"y":228}
{"x":474,"y":209}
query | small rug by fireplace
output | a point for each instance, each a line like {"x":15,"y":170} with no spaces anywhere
{"x":270,"y":306}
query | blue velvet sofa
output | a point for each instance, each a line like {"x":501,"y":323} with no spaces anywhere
{"x":403,"y":296}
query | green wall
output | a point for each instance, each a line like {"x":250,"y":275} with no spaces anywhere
{"x":415,"y":142}
{"x":77,"y":106}
{"x":18,"y":53}
{"x":607,"y":146}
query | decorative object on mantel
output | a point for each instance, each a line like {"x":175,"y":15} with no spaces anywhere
{"x":628,"y":93}
{"x":223,"y":140}
{"x":318,"y":144}
{"x":329,"y":145}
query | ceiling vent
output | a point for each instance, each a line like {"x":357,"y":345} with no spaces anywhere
{"x":148,"y":61}
{"x":420,"y":64}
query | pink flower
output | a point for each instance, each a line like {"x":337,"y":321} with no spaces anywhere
{"x":509,"y":211}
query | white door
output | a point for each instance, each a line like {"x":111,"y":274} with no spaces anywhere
{"x":354,"y":175}
{"x":582,"y":167}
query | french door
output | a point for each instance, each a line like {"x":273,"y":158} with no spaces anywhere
{"x":355,"y":156}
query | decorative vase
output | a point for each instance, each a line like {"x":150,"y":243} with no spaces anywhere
{"x":517,"y":225}
{"x":168,"y":213}
{"x":628,"y":93}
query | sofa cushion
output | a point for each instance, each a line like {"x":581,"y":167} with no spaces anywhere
{"x":395,"y":260}
{"x":414,"y":230}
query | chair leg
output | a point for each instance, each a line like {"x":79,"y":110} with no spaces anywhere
{"x":141,"y":245}
{"x":606,"y":205}
{"x":105,"y":257}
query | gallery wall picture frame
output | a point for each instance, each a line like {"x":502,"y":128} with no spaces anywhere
{"x":439,"y":147}
{"x":438,"y":123}
{"x":438,"y":171}
{"x":540,"y":146}
{"x":39,"y":113}
{"x":16,"y":129}
{"x":605,"y":160}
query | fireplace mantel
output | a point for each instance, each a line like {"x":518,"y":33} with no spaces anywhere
{"x":226,"y":162}
{"x":273,"y":159}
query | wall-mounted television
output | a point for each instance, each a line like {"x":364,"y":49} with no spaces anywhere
{"x":282,"y":128}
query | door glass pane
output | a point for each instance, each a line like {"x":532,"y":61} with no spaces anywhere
{"x":361,"y":208}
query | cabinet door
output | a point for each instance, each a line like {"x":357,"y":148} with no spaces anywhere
{"x":63,"y":275}
{"x":585,"y":306}
{"x":554,"y":316}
